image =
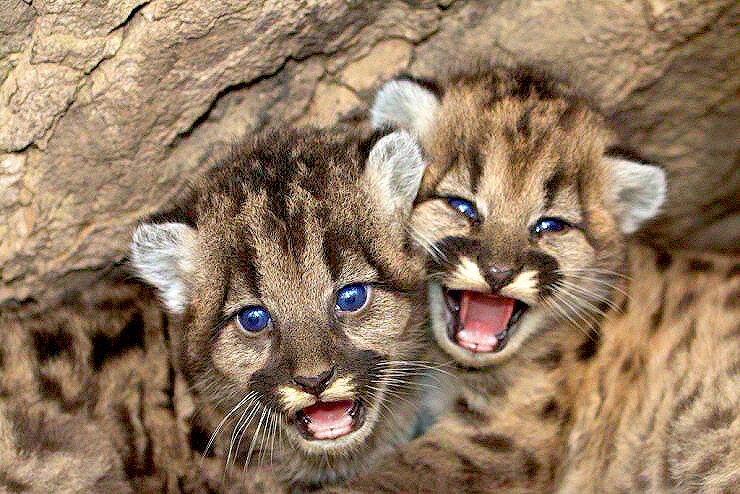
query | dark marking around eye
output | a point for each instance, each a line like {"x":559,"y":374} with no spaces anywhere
{"x":552,"y":186}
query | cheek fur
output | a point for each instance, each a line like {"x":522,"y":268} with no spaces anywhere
{"x":235,"y":356}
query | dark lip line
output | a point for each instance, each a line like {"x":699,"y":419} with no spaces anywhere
{"x":520,"y":308}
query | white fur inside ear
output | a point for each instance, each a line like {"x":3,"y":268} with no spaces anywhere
{"x":404,"y":105}
{"x":641,"y":190}
{"x":394,"y":169}
{"x":162,"y":255}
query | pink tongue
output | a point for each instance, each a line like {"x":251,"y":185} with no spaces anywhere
{"x":482,"y":318}
{"x":329,"y":420}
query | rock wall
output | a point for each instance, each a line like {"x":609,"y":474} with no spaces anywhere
{"x":106,"y":107}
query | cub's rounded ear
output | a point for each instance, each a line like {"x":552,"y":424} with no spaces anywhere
{"x":404,"y":104}
{"x":162,"y":255}
{"x":641,"y":191}
{"x":393,"y":171}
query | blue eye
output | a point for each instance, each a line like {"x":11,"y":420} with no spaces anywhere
{"x":463,"y":208}
{"x":253,"y":319}
{"x":550,"y":225}
{"x":351,"y":298}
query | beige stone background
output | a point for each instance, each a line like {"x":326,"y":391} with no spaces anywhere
{"x":106,"y":107}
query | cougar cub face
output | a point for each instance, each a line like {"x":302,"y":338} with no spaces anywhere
{"x":521,"y":208}
{"x":302,"y":310}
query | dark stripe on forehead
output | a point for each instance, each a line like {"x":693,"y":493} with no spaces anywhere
{"x":475,"y":165}
{"x":522,"y":123}
{"x":333,"y":246}
{"x":296,"y":231}
{"x":246,"y":262}
{"x":379,"y":264}
{"x":553,"y":185}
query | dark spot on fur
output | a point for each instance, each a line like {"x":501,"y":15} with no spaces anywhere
{"x":663,"y":260}
{"x":684,"y":344}
{"x":550,"y":410}
{"x":735,"y":333}
{"x":51,"y":344}
{"x":550,"y":360}
{"x":467,"y":413}
{"x":626,"y":365}
{"x":522,"y":124}
{"x":732,"y":301}
{"x":700,"y":266}
{"x":587,"y":350}
{"x":656,"y":318}
{"x":495,"y":442}
{"x":624,"y":306}
{"x":685,"y":303}
{"x":733,"y":271}
{"x":686,"y":402}
{"x":50,"y":389}
{"x":198,"y":437}
{"x":734,"y":370}
{"x":530,"y":466}
{"x":106,"y":347}
{"x":12,"y":484}
{"x":567,"y":417}
{"x":719,"y":419}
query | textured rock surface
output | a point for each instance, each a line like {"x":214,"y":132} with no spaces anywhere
{"x":107,"y":107}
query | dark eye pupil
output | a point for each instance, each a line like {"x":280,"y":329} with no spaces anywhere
{"x":351,"y":298}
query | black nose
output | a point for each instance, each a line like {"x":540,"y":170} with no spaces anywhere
{"x":315,"y":385}
{"x":497,"y":279}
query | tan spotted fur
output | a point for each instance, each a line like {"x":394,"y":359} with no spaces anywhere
{"x":597,"y":391}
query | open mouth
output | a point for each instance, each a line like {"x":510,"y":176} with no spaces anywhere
{"x":330,"y":420}
{"x":479,"y":322}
